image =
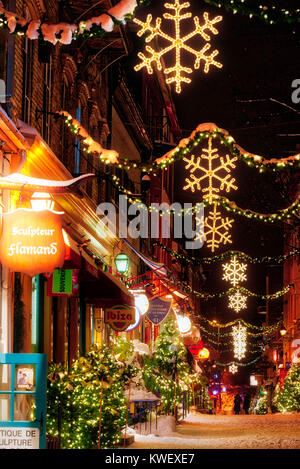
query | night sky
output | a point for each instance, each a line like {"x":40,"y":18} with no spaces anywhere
{"x":260,"y":61}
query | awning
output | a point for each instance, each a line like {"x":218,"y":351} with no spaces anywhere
{"x":158,"y":267}
{"x":106,"y":291}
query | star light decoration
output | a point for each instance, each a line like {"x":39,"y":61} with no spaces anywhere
{"x":237,"y":301}
{"x":234,"y":271}
{"x":239,"y":334}
{"x":233,"y":369}
{"x":178,"y":73}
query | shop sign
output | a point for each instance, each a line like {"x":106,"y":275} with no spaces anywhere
{"x":19,"y":438}
{"x":63,"y":282}
{"x":195,"y":349}
{"x":98,"y":320}
{"x":158,"y":310}
{"x":119,"y":317}
{"x":32,"y":241}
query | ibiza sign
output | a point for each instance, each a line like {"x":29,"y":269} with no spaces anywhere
{"x":32,"y":241}
{"x":120,"y":317}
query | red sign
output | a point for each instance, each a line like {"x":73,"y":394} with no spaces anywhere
{"x":120,"y":317}
{"x":195,"y":349}
{"x":32,"y":241}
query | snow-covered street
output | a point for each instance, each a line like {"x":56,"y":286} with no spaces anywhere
{"x":274,"y":431}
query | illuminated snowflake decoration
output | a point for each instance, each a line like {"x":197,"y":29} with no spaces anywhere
{"x":239,"y":334}
{"x":214,"y":230}
{"x":237,"y":301}
{"x":233,"y":369}
{"x":234,"y":272}
{"x":210,"y":168}
{"x":178,"y":73}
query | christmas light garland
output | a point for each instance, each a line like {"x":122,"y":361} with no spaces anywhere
{"x":269,"y":11}
{"x":205,"y":131}
{"x":185,"y":146}
{"x":65,"y":33}
{"x":243,"y":290}
{"x":238,"y":363}
{"x":231,"y":206}
{"x":226,"y":255}
{"x":215,"y":324}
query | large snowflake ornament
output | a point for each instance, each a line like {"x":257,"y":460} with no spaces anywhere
{"x":178,"y":73}
{"x":214,"y":229}
{"x":237,"y":301}
{"x":239,"y":334}
{"x":212,"y":169}
{"x":234,"y":271}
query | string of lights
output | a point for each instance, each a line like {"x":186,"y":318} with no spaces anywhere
{"x":245,"y":291}
{"x":268,"y":11}
{"x":226,"y":255}
{"x":187,"y":145}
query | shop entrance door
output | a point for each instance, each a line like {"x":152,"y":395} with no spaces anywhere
{"x":23,"y":400}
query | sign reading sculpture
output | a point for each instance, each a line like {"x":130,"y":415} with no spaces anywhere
{"x":32,"y":241}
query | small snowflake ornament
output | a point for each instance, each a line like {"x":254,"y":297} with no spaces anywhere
{"x":237,"y":301}
{"x":233,"y":369}
{"x":234,"y":271}
{"x":210,"y":173}
{"x":178,"y":73}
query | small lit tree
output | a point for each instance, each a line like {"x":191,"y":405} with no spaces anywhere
{"x":167,"y":372}
{"x":287,"y":399}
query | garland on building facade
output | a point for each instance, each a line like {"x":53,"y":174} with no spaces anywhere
{"x":65,"y":33}
{"x":267,"y":10}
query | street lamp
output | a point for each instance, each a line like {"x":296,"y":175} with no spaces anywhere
{"x":122,"y":263}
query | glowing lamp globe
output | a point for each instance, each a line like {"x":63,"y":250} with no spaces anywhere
{"x":141,"y":303}
{"x":184,"y":324}
{"x":41,"y":201}
{"x":122,"y":263}
{"x":203,"y":354}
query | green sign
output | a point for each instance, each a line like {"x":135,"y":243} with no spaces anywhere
{"x":62,"y":281}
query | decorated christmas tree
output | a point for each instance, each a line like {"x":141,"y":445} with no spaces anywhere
{"x":167,"y":372}
{"x":287,"y":399}
{"x":87,"y":408}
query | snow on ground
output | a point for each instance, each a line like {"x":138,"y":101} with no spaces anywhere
{"x":204,"y":431}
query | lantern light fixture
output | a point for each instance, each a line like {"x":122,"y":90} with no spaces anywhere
{"x":184,"y":324}
{"x":122,"y":263}
{"x":41,"y":201}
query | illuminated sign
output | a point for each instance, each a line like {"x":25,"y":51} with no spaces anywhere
{"x":120,"y":317}
{"x":32,"y":241}
{"x":203,"y":354}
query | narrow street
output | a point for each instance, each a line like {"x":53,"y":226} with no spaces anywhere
{"x":201,"y":431}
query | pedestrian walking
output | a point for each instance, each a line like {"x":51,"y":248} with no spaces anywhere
{"x":237,"y":404}
{"x":246,"y":404}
